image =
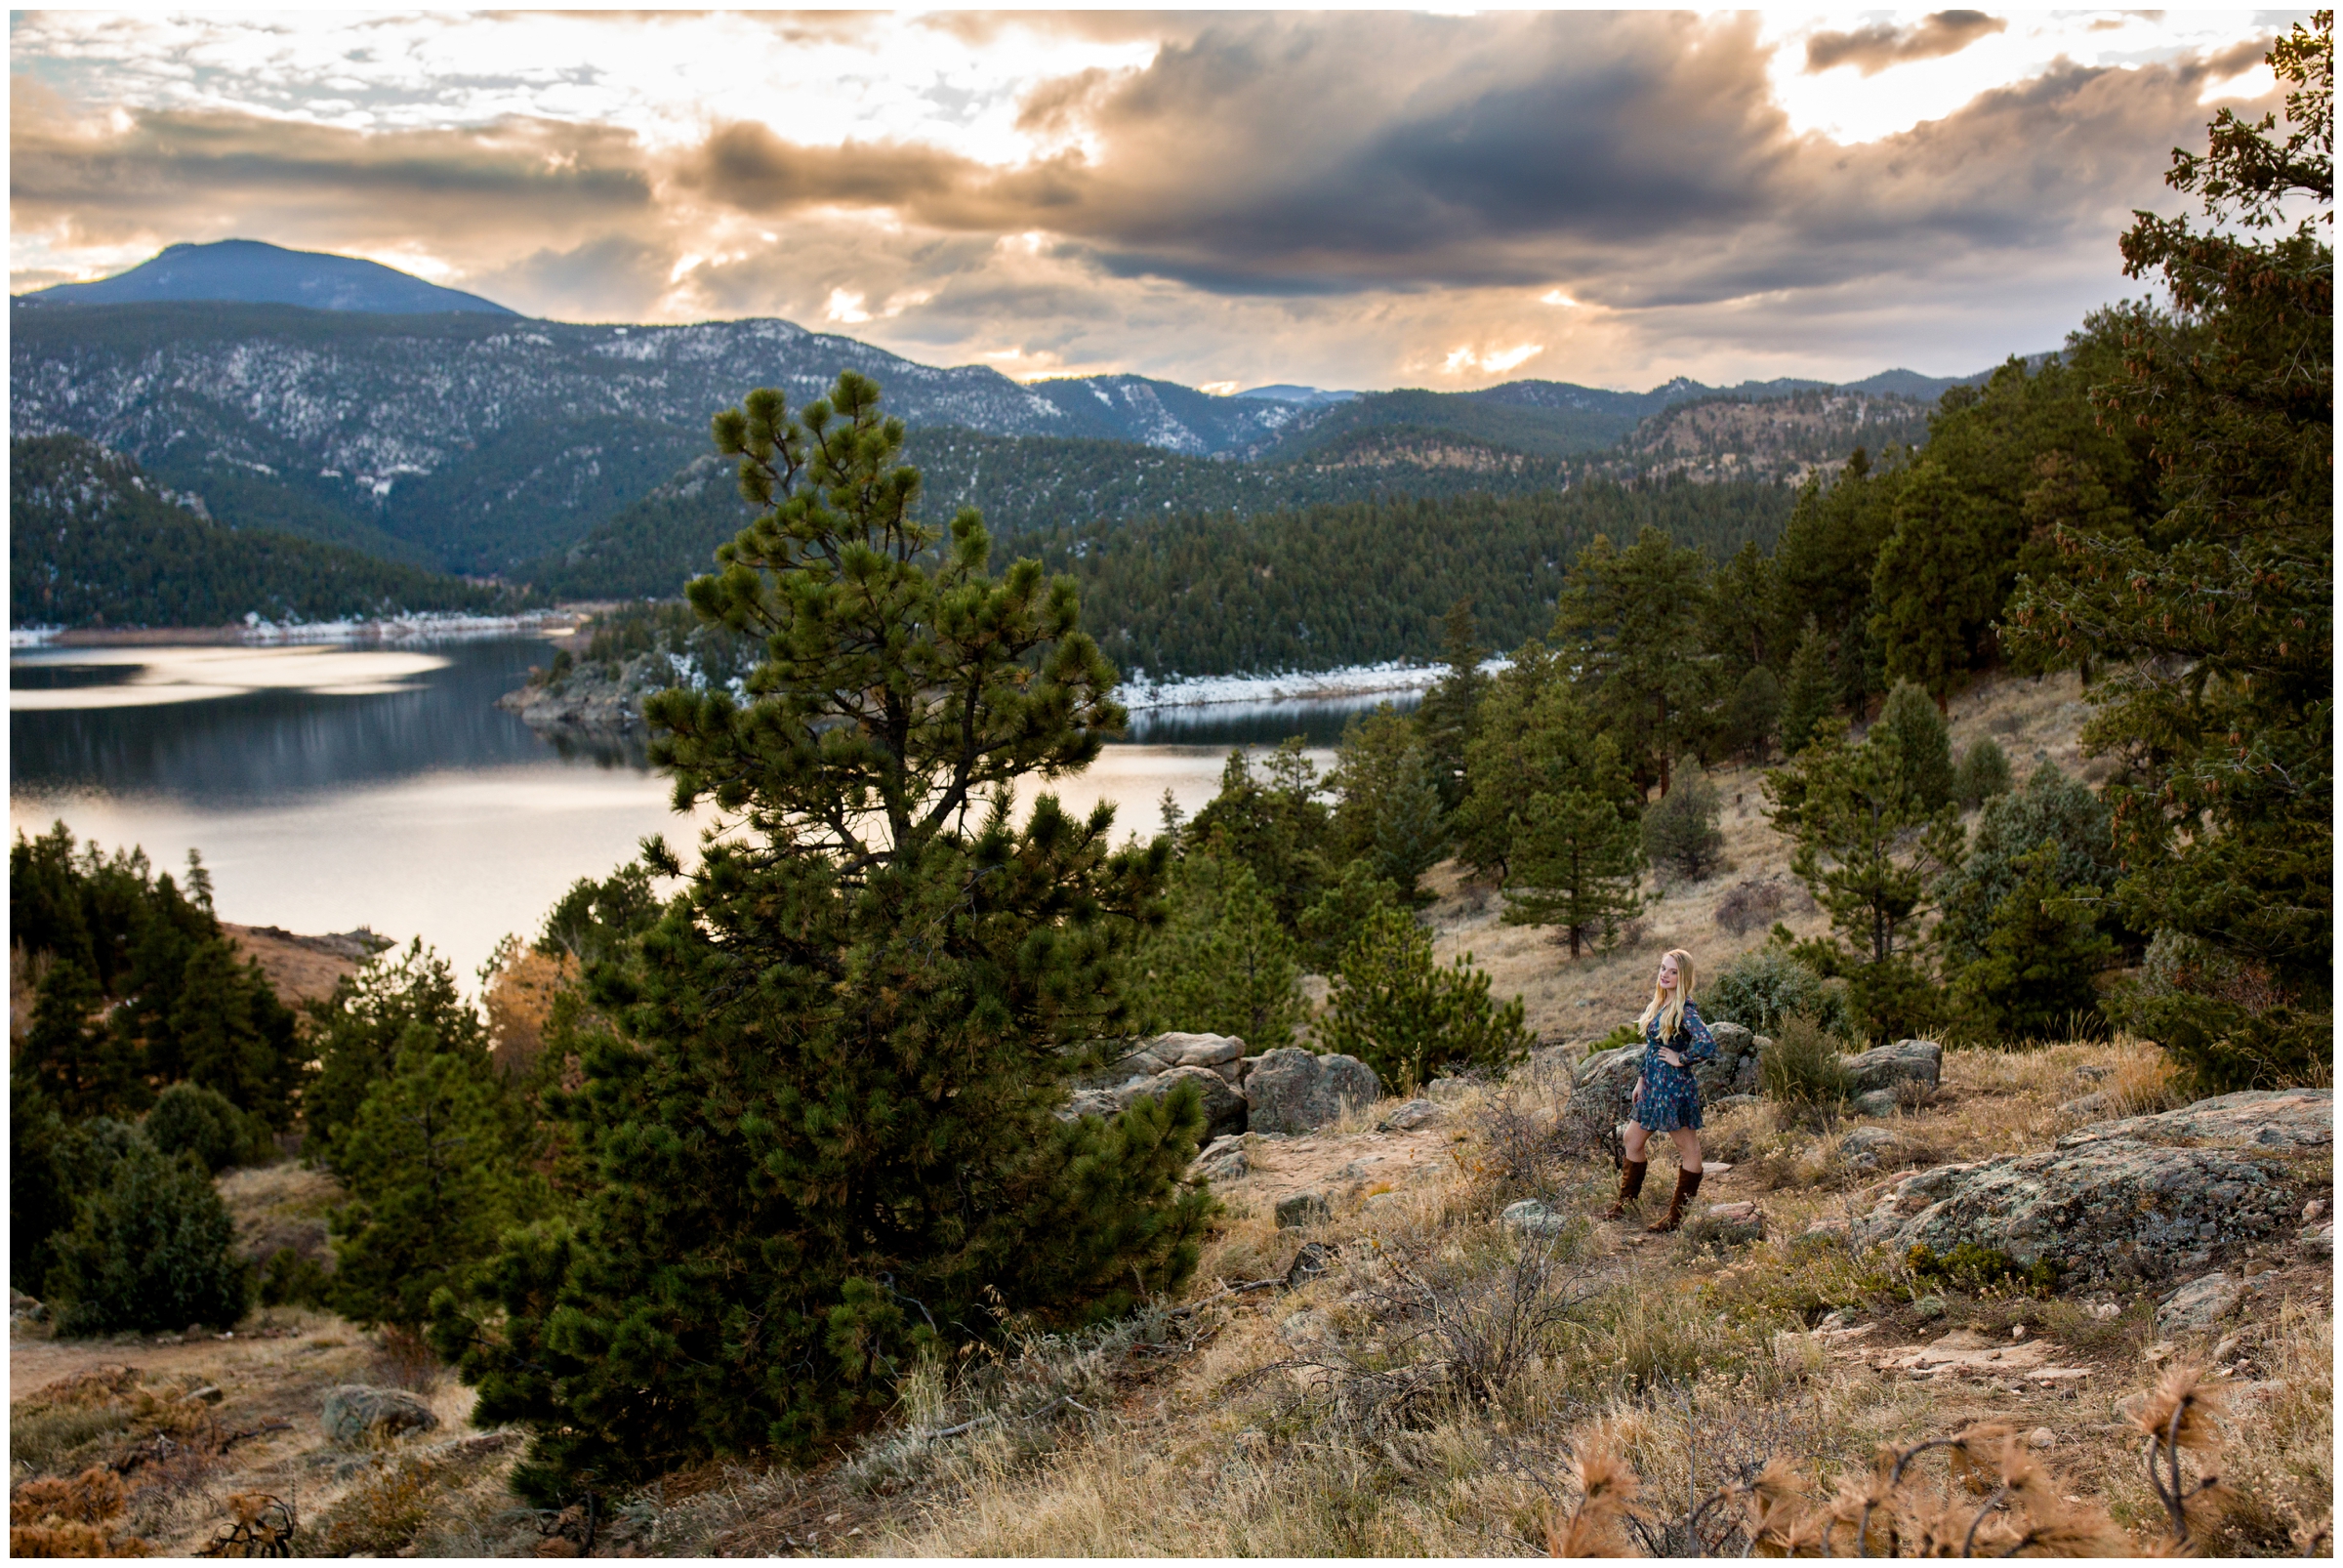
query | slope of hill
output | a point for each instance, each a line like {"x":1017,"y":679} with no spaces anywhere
{"x":1783,"y":438}
{"x":94,"y":542}
{"x":250,"y":272}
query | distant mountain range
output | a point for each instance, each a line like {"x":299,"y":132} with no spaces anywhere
{"x":347,"y":402}
{"x":250,"y":272}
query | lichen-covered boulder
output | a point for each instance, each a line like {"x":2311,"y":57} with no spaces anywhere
{"x":1223,"y":1107}
{"x":1295,"y":1090}
{"x":2262,"y":1118}
{"x":2117,"y":1208}
{"x":1906,"y":1062}
{"x":355,"y":1413}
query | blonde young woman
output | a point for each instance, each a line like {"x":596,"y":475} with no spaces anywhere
{"x":1668,"y":1098}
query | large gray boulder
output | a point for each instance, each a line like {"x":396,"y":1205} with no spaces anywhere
{"x":2263,"y":1118}
{"x":2118,"y":1208}
{"x":1223,"y":1107}
{"x":1906,"y":1062}
{"x":355,"y":1413}
{"x":1295,"y":1090}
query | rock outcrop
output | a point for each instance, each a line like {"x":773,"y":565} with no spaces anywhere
{"x":1906,"y":1062}
{"x":1293,"y":1091}
{"x":355,"y":1413}
{"x":2120,"y":1199}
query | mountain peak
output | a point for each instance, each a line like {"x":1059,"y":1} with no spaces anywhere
{"x":252,"y":272}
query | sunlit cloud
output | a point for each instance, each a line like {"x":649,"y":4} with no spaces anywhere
{"x":1222,"y":198}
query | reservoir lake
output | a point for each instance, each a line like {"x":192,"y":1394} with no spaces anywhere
{"x":334,"y":786}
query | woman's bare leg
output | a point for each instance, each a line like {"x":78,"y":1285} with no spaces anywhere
{"x":1688,"y":1148}
{"x":1636,"y":1136}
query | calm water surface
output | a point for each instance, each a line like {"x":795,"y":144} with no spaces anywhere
{"x":337,"y":786}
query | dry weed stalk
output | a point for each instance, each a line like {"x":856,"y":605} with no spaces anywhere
{"x":262,"y":1526}
{"x":1607,"y":1487}
{"x":2177,"y":1416}
{"x":60,"y":1518}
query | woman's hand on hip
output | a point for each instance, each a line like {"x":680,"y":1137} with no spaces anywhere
{"x":1672,"y":1058}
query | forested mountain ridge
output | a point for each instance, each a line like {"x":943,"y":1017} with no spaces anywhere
{"x":94,"y":542}
{"x":482,"y":444}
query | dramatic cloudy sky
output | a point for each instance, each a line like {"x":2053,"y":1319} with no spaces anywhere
{"x":1227,"y":198}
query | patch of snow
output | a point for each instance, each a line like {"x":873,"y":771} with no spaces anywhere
{"x":1195,"y":691}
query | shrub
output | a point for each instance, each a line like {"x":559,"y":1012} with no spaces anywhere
{"x":1680,"y":836}
{"x":1973,"y":1267}
{"x":153,"y":1249}
{"x":1404,"y":1015}
{"x":205,"y":1124}
{"x":1983,"y":773}
{"x":1764,"y":986}
{"x":2009,"y":828}
{"x":1749,"y":905}
{"x":288,"y":1279}
{"x":1804,"y":1068}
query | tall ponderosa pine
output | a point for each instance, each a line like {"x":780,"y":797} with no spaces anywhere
{"x":1633,"y":621}
{"x":1915,"y":732}
{"x":1806,"y":701}
{"x":1223,"y":962}
{"x":1938,"y":584}
{"x":1534,"y":736}
{"x":72,"y":1052}
{"x":360,"y":1029}
{"x":2034,"y":979}
{"x":2216,"y":625}
{"x":1576,"y":863}
{"x":822,"y":1146}
{"x":1271,"y":821}
{"x":1387,"y":806}
{"x":1446,"y":717}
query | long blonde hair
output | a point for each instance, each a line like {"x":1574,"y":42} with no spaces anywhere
{"x":1670,"y":1010}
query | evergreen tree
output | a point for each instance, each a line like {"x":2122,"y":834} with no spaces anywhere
{"x":1534,"y":735}
{"x":1408,"y":1017}
{"x":359,"y":1029}
{"x":1983,"y":774}
{"x":1873,"y":856}
{"x":1387,"y":806}
{"x":154,"y":1248}
{"x":1938,"y":584}
{"x":230,"y":1034}
{"x":1825,"y":565}
{"x":40,"y":1193}
{"x":1631,"y":621}
{"x":436,"y":1166}
{"x":1914,"y":731}
{"x":594,"y":918}
{"x":2217,"y":623}
{"x":1575,"y":862}
{"x":2052,"y":808}
{"x":204,"y":1123}
{"x":1223,"y":962}
{"x":2034,"y":979}
{"x":1747,"y":631}
{"x":1807,"y":700}
{"x":1680,"y":834}
{"x":72,"y":1052}
{"x":820,"y":1145}
{"x":1446,"y":717}
{"x":1334,"y":923}
{"x":1752,"y":715}
{"x":1271,"y":823}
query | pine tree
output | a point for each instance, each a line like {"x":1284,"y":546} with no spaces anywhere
{"x":1574,"y":864}
{"x":1983,"y":773}
{"x":1938,"y":585}
{"x":2052,"y":808}
{"x":1914,"y":731}
{"x":1330,"y":924}
{"x":230,"y":1034}
{"x":1387,"y":806}
{"x":819,"y":1148}
{"x":1223,"y":962}
{"x":1631,"y":621}
{"x":1872,"y":857}
{"x":359,"y":1029}
{"x":152,"y":1247}
{"x":72,"y":1051}
{"x":1534,"y":735}
{"x":1446,"y":717}
{"x":437,"y":1163}
{"x":2034,"y":979}
{"x":2217,"y":623}
{"x":1395,"y":1010}
{"x":1807,"y":701}
{"x":1680,"y":835}
{"x":1271,"y":823}
{"x":1752,"y":715}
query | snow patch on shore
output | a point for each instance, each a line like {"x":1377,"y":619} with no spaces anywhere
{"x":1320,"y":685}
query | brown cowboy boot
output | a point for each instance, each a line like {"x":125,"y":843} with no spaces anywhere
{"x":1630,"y":1183}
{"x":1688,"y":1183}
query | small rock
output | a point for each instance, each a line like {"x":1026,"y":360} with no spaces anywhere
{"x":1313,"y":1259}
{"x":1446,"y":1090}
{"x":2087,"y":1105}
{"x":208,"y":1395}
{"x":1196,"y":1051}
{"x":1875,"y":1102}
{"x":2318,"y":1240}
{"x":2226,"y":1348}
{"x":2199,"y":1304}
{"x":2017,"y":1330}
{"x":2162,"y":1350}
{"x":2105,"y":1311}
{"x":2312,"y":1210}
{"x":1229,"y":1165}
{"x":1530,"y":1218}
{"x":1732,"y":1222}
{"x":1303,"y":1208}
{"x":1409,"y":1117}
{"x":1866,"y":1146}
{"x":354,"y":1412}
{"x":2042,"y":1437}
{"x":1295,"y":1090}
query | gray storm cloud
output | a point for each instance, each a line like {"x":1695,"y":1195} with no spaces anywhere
{"x":1311,"y":176}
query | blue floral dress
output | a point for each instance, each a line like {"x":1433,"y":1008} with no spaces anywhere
{"x":1672,"y":1097}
